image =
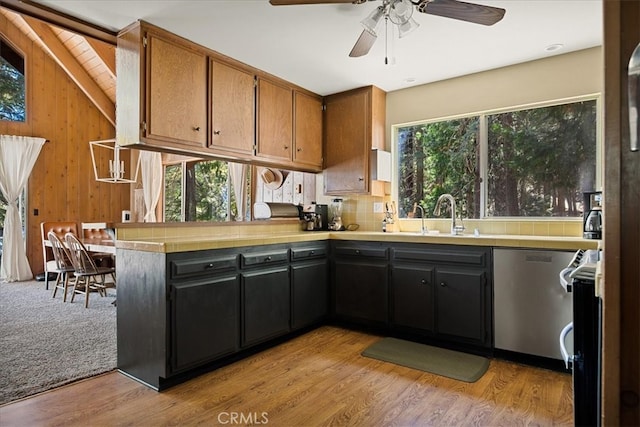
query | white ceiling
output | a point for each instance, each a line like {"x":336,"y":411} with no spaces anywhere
{"x":309,"y":44}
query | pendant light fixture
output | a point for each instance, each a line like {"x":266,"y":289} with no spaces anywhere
{"x":109,"y":166}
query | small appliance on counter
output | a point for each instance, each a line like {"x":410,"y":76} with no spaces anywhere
{"x":592,"y":216}
{"x":388,"y":223}
{"x":262,"y":210}
{"x":315,"y":217}
{"x":336,"y":218}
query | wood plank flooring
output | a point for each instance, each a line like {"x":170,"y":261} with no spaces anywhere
{"x":317,"y":379}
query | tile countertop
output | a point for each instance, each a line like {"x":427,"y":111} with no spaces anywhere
{"x":185,"y":244}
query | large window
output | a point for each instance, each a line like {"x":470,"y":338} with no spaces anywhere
{"x":527,"y":163}
{"x":199,"y":191}
{"x":12,"y":84}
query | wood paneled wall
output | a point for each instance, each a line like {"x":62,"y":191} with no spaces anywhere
{"x":621,"y":311}
{"x":62,"y":185}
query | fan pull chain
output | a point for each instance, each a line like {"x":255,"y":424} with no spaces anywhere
{"x":386,"y":40}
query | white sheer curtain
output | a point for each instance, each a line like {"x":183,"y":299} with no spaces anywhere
{"x":151,"y":166}
{"x":238,"y":173}
{"x":18,"y":154}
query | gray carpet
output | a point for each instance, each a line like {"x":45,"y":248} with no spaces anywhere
{"x":45,"y":343}
{"x":440,"y":361}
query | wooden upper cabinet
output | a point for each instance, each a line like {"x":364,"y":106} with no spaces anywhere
{"x":354,"y":125}
{"x":274,"y":137}
{"x":232,"y":108}
{"x":307,"y":130}
{"x":176,"y":96}
{"x":176,"y":93}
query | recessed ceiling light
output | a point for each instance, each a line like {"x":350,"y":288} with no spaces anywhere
{"x":553,"y":47}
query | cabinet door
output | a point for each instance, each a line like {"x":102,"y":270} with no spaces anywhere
{"x":176,"y":93}
{"x":309,"y":292}
{"x":266,"y":304}
{"x":275,"y":121}
{"x":232,"y":108}
{"x":361,"y":290}
{"x":460,"y":297}
{"x":413,"y":301}
{"x":347,"y":143}
{"x":308,"y":130}
{"x":205,"y":321}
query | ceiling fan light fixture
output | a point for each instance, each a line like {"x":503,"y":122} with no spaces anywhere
{"x":407,"y":27}
{"x":371,"y":22}
{"x":400,"y":11}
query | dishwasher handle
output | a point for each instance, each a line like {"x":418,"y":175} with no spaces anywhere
{"x":563,"y":347}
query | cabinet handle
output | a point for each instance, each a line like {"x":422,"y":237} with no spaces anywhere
{"x":424,"y":282}
{"x":216,"y":132}
{"x":357,"y":251}
{"x":299,"y":150}
{"x":196,"y":128}
{"x":312,"y":253}
{"x":209,"y":266}
{"x":443,"y":284}
{"x":286,"y":147}
{"x":361,"y":179}
{"x":268,"y":258}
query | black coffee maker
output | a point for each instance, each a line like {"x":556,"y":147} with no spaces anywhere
{"x":592,"y":216}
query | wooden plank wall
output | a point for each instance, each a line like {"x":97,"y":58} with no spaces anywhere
{"x":62,"y":185}
{"x":288,"y":192}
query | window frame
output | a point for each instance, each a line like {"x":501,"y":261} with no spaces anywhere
{"x":484,"y":149}
{"x":185,"y":166}
{"x":26,"y":123}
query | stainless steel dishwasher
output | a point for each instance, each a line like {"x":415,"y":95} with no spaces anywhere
{"x":530,"y":305}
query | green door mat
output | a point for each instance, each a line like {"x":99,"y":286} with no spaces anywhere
{"x":440,"y":361}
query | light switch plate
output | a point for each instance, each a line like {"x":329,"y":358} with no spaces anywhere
{"x":377,"y":207}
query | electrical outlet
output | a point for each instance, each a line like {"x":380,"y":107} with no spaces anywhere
{"x":377,"y":207}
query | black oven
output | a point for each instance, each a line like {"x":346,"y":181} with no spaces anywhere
{"x":586,"y":361}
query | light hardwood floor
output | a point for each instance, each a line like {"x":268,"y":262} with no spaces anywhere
{"x":316,"y":379}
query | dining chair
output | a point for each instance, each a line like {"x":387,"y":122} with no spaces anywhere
{"x":64,"y":268}
{"x":89,"y":276}
{"x":60,"y":228}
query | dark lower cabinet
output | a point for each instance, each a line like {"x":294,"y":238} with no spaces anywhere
{"x":460,"y":303}
{"x":266,"y":304}
{"x":361,"y":291}
{"x":360,"y":282}
{"x":309,"y":293}
{"x":182,"y":312}
{"x":413,"y":297}
{"x":443,"y":291}
{"x":205,"y":320}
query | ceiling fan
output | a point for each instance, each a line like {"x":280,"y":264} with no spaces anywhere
{"x":400,"y":13}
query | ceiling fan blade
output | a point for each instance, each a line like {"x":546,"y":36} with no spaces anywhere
{"x":476,"y":13}
{"x":363,"y":44}
{"x":295,"y":2}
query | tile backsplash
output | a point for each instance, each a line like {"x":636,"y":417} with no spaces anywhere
{"x":359,"y":209}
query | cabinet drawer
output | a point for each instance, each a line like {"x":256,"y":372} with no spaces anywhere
{"x":298,"y":254}
{"x":263,"y":258}
{"x":361,"y":251}
{"x":189,"y":267}
{"x":469,"y":257}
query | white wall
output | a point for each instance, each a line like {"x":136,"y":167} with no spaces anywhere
{"x":558,"y":77}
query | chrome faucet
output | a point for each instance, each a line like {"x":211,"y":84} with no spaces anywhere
{"x":423,"y":229}
{"x":455,"y":229}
